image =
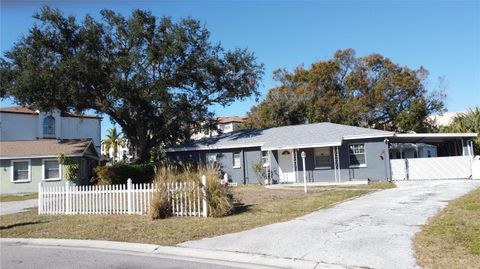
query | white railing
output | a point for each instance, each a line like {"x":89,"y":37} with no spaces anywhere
{"x":186,"y":198}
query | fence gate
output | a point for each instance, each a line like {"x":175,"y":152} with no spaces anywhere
{"x":455,"y":167}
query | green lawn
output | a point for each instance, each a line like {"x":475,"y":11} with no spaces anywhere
{"x":452,"y":238}
{"x":259,"y":206}
{"x":19,"y":197}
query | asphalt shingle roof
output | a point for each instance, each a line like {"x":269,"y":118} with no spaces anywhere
{"x":294,"y":136}
{"x":42,"y":147}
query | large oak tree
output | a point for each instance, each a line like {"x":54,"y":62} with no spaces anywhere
{"x":155,"y":77}
{"x":370,"y":91}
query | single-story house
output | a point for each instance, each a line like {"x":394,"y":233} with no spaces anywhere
{"x":333,"y":152}
{"x":25,"y":163}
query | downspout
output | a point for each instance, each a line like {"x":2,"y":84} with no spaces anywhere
{"x":244,"y":166}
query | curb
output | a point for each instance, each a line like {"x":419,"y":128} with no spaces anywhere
{"x":247,"y":259}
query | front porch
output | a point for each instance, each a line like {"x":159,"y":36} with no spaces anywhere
{"x":320,"y":165}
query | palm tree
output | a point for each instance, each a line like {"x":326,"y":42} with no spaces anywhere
{"x":113,"y":140}
{"x":467,"y":123}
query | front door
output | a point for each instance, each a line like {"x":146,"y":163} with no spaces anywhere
{"x":285,"y":166}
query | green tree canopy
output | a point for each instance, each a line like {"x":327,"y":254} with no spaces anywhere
{"x":155,"y":77}
{"x":369,"y":91}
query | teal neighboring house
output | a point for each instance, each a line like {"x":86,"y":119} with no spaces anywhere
{"x":31,"y":141}
{"x":24,"y":164}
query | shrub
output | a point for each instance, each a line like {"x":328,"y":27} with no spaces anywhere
{"x":119,"y":173}
{"x":72,"y":170}
{"x":160,"y":207}
{"x":220,"y":198}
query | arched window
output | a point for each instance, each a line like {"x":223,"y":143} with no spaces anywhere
{"x":49,"y":126}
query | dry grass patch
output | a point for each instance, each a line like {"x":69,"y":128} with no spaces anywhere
{"x":452,"y":238}
{"x":18,"y":197}
{"x":258,"y":206}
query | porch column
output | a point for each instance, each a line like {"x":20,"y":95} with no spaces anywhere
{"x":334,"y":164}
{"x":338,"y":165}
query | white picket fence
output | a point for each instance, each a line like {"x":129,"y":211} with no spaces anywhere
{"x":186,"y":198}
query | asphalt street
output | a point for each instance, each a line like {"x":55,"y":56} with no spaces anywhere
{"x":31,"y":256}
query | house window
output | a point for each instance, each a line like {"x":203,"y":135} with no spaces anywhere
{"x":322,"y":158}
{"x":49,"y":126}
{"x":20,"y":171}
{"x":356,"y":153}
{"x":265,"y":158}
{"x":236,"y":160}
{"x":211,"y":157}
{"x":51,"y":170}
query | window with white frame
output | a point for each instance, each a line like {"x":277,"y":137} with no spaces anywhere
{"x":356,"y":153}
{"x":20,"y":171}
{"x":265,"y":158}
{"x":51,"y":170}
{"x":236,"y":160}
{"x":322,"y":158}
{"x":211,"y":157}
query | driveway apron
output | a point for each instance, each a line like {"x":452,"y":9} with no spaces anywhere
{"x":373,"y":231}
{"x":17,"y":206}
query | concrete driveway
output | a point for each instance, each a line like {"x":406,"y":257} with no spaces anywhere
{"x":372,"y":231}
{"x":17,"y":206}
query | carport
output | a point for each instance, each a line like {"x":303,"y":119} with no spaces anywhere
{"x":452,"y":159}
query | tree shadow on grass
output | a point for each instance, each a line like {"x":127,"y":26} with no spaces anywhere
{"x":240,"y":208}
{"x":6,"y":227}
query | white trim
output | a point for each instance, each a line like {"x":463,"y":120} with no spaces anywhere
{"x":358,"y":166}
{"x":351,"y":137}
{"x":429,"y":135}
{"x":239,"y":159}
{"x":60,"y":170}
{"x":37,"y":156}
{"x":364,"y":154}
{"x":12,"y":172}
{"x":323,"y":145}
{"x":212,"y":148}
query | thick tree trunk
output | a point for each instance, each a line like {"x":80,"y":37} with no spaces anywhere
{"x":141,"y":151}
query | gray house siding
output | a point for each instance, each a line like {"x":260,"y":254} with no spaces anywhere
{"x":376,"y":168}
{"x":244,"y":174}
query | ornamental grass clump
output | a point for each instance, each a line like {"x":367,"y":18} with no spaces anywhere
{"x":220,"y":199}
{"x":160,"y":207}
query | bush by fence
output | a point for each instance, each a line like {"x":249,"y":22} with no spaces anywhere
{"x":219,"y":197}
{"x":119,"y":173}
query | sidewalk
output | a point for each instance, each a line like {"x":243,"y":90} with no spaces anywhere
{"x":244,"y":260}
{"x":14,"y":207}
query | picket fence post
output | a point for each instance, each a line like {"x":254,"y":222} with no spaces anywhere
{"x":68,"y":195}
{"x":129,"y":196}
{"x":204,"y":192}
{"x":40,"y":198}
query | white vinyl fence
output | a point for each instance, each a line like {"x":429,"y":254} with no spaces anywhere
{"x":455,"y":167}
{"x":186,"y":198}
